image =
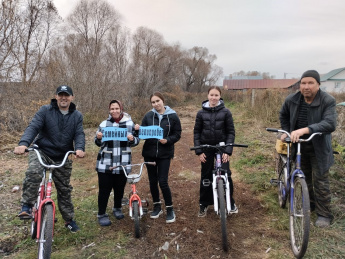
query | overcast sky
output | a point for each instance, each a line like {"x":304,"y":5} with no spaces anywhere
{"x":275,"y":36}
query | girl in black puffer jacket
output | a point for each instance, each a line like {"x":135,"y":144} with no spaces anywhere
{"x":213,"y":124}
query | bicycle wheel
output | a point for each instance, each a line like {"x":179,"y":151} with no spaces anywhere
{"x":46,"y":233}
{"x":281,"y":171}
{"x":221,"y":199}
{"x":136,"y":218}
{"x":300,"y":218}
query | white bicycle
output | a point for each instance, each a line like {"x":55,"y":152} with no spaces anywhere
{"x":221,"y":187}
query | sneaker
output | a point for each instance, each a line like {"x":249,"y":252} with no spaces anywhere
{"x":170,"y":215}
{"x":202,"y":211}
{"x":118,"y":213}
{"x":322,"y":222}
{"x":234,"y":209}
{"x":72,"y":226}
{"x":157,"y":210}
{"x":25,"y":212}
{"x":103,"y":220}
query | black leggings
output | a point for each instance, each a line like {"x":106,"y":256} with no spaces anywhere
{"x":158,"y":174}
{"x":107,"y":182}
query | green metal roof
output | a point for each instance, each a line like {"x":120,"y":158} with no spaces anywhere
{"x":331,"y":74}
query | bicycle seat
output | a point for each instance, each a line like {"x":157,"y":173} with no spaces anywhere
{"x":133,"y":178}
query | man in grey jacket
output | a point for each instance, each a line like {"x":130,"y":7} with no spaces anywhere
{"x":56,"y":129}
{"x":303,"y":113}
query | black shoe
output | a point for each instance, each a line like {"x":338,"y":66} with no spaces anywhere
{"x":234,"y":209}
{"x":72,"y":226}
{"x":157,"y":210}
{"x":170,"y":215}
{"x":202,"y":211}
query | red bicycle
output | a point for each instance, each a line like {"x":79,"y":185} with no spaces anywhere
{"x":43,"y":213}
{"x":136,"y":210}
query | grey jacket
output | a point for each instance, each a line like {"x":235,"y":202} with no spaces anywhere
{"x":322,"y":117}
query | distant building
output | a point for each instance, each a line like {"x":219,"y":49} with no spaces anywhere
{"x":333,"y":81}
{"x":246,"y":84}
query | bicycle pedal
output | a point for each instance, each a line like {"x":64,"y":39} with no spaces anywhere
{"x":274,"y":181}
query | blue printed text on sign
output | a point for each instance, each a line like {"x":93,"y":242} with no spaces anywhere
{"x":150,"y":132}
{"x":114,"y":133}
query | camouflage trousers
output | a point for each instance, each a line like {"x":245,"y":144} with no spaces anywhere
{"x":61,"y":177}
{"x":317,"y":181}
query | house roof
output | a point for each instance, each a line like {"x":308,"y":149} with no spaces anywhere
{"x":330,"y":74}
{"x":235,"y":84}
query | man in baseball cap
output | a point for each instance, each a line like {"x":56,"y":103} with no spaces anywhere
{"x":64,"y":89}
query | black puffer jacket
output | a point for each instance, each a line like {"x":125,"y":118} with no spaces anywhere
{"x":55,"y":132}
{"x":214,"y":125}
{"x":171,"y":125}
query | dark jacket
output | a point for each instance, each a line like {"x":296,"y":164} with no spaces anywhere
{"x":214,"y":125}
{"x":322,"y":117}
{"x":115,"y":152}
{"x":55,"y":133}
{"x":171,"y":125}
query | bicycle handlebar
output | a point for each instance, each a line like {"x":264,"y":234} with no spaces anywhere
{"x":131,"y":165}
{"x":287,"y":133}
{"x":35,"y":148}
{"x":218,"y":146}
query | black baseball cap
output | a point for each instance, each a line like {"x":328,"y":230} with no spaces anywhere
{"x":64,"y":89}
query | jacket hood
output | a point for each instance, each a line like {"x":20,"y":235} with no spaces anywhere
{"x":206,"y":105}
{"x":126,"y":117}
{"x":168,"y":111}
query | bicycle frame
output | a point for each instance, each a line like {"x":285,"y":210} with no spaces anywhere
{"x":216,"y":176}
{"x":219,"y":173}
{"x":44,"y":191}
{"x":133,"y":179}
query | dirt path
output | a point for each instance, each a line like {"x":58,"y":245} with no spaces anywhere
{"x":193,"y":237}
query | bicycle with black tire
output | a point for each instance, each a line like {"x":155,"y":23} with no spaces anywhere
{"x":221,"y":187}
{"x":292,"y":186}
{"x":43,"y":213}
{"x":136,"y":208}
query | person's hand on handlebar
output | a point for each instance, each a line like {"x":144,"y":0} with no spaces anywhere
{"x":79,"y":153}
{"x":20,"y":150}
{"x":225,"y":158}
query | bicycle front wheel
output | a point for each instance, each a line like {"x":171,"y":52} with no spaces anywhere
{"x":300,"y":218}
{"x":136,"y":218}
{"x":46,"y":232}
{"x":222,"y":211}
{"x":281,"y":170}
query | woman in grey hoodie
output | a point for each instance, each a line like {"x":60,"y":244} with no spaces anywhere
{"x":161,"y":151}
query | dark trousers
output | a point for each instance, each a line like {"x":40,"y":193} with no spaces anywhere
{"x":206,"y":192}
{"x":318,"y":182}
{"x":61,"y":177}
{"x":158,"y":174}
{"x":106,"y":183}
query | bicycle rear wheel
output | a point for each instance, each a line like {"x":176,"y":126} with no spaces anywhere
{"x":46,"y":232}
{"x":136,"y":218}
{"x":300,"y":218}
{"x":281,"y":170}
{"x":222,"y":211}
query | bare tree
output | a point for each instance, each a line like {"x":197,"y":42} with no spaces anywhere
{"x":8,"y":37}
{"x":198,"y":69}
{"x":35,"y":25}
